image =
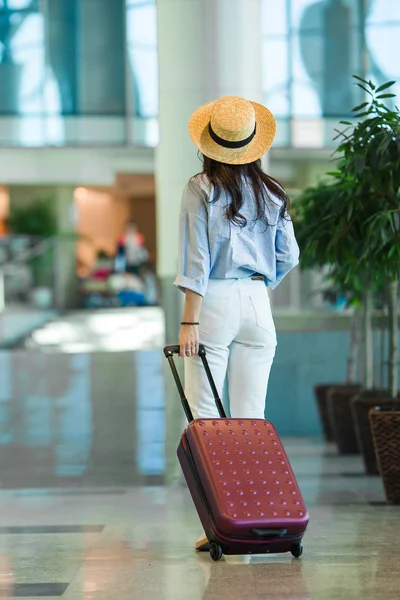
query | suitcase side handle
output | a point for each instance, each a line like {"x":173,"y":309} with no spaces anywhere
{"x":270,"y":533}
{"x":169,"y":352}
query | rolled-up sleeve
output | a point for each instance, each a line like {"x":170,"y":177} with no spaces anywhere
{"x":286,"y":250}
{"x":194,"y":251}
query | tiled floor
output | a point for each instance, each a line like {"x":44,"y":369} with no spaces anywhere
{"x":118,"y":543}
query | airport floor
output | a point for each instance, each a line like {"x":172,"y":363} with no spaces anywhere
{"x":120,"y":543}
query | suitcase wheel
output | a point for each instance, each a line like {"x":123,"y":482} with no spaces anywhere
{"x":215,"y":551}
{"x":297,"y":550}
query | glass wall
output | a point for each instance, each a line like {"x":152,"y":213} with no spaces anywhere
{"x":78,"y":72}
{"x":141,"y":27}
{"x":84,"y":72}
{"x":311,"y":49}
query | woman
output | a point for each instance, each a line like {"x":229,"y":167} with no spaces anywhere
{"x":236,"y":241}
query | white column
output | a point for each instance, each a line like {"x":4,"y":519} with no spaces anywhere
{"x":234,"y":48}
{"x":181,"y":90}
{"x":65,"y":250}
{"x":207,"y":49}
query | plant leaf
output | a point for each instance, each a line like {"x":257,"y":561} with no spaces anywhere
{"x":345,"y":123}
{"x":364,"y":88}
{"x":387,"y":96}
{"x":385,"y":86}
{"x":350,"y":210}
{"x":360,"y":79}
{"x":360,"y":106}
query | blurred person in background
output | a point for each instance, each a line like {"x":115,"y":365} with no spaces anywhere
{"x":132,"y":253}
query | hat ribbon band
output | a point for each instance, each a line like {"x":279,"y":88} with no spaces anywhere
{"x":227,"y":144}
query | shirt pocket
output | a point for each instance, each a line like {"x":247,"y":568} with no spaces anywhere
{"x":214,"y":314}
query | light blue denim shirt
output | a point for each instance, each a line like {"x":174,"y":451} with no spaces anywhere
{"x":210,"y":246}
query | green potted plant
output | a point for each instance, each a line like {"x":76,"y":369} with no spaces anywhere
{"x":370,"y":158}
{"x":353,"y":223}
{"x":38,"y":221}
{"x":315,"y":215}
{"x":371,"y":155}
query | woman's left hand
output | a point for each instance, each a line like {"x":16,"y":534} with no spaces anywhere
{"x":189,"y":340}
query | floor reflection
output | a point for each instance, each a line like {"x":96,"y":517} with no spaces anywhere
{"x":137,"y":542}
{"x":116,"y":330}
{"x":95,"y":418}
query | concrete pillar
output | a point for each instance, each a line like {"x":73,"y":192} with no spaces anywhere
{"x":181,"y":89}
{"x":65,"y":259}
{"x":233,"y":51}
{"x":207,"y":49}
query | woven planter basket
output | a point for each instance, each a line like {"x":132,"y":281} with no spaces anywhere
{"x":385,"y":427}
{"x":361,"y":405}
{"x":341,"y":418}
{"x":321,"y":396}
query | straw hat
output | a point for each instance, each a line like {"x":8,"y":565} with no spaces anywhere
{"x":232,"y":130}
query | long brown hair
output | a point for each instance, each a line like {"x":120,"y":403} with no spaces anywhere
{"x":229,"y":179}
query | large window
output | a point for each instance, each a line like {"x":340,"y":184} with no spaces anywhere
{"x":311,"y":49}
{"x":143,"y":69}
{"x":78,"y":72}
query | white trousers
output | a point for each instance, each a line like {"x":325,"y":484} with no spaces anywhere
{"x":238,"y":332}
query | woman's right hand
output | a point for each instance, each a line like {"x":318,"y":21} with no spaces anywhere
{"x":189,"y":341}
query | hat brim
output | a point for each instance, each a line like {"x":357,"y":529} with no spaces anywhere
{"x":260,"y":144}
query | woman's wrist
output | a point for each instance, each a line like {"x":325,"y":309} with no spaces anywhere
{"x":190,"y":318}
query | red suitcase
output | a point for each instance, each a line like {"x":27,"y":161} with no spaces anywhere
{"x":240,"y":480}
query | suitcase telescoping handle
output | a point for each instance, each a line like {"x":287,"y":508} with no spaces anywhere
{"x":169,"y":352}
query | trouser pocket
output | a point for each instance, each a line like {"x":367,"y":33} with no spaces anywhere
{"x":214,"y":314}
{"x":263,"y":314}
